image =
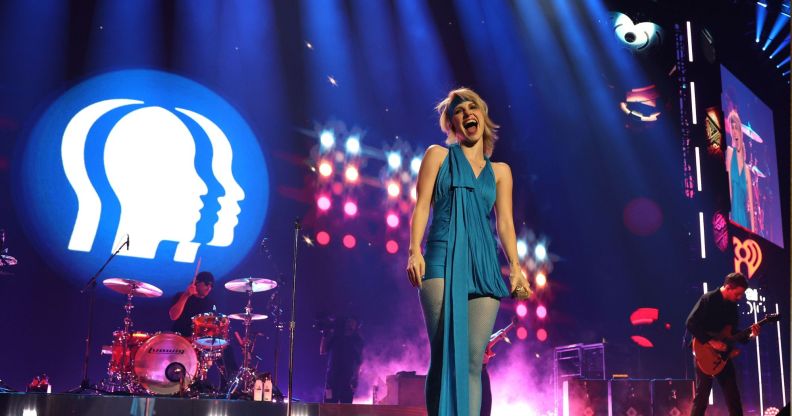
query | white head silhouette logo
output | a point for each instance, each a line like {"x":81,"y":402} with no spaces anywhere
{"x":149,"y":158}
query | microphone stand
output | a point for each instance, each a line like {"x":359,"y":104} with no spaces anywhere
{"x":292,"y":324}
{"x":90,"y":288}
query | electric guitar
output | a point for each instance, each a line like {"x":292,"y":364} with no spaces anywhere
{"x":711,"y":361}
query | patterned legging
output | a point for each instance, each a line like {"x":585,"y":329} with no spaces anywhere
{"x":482,"y":312}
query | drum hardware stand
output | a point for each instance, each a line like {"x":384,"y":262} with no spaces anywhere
{"x":125,"y":381}
{"x":292,"y":323}
{"x":90,"y":288}
{"x":246,"y":376}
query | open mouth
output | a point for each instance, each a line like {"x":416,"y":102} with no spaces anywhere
{"x":471,"y":126}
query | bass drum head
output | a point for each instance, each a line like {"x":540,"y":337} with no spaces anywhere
{"x":163,"y":360}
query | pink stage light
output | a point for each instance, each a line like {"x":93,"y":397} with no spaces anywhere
{"x":414,"y":194}
{"x":392,"y":220}
{"x":351,"y":174}
{"x":522,"y":310}
{"x":541,"y":334}
{"x":350,"y":208}
{"x":644,"y":316}
{"x":541,"y":312}
{"x":642,"y":341}
{"x":393,"y":189}
{"x":349,"y":241}
{"x":323,"y":238}
{"x":323,"y":202}
{"x":391,"y":247}
{"x":325,"y":168}
{"x":522,"y":333}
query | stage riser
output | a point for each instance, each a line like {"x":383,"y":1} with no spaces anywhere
{"x":19,"y":404}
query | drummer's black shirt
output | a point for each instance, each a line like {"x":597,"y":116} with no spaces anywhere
{"x":193,"y":306}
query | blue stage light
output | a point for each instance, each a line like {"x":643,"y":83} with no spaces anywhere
{"x":785,"y":61}
{"x":353,"y":145}
{"x":394,"y":160}
{"x":540,"y":252}
{"x":781,"y":21}
{"x":783,"y":45}
{"x":415,"y":165}
{"x":761,"y":17}
{"x":326,"y":139}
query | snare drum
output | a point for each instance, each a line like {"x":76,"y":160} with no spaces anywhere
{"x":120,"y":362}
{"x":210,"y":331}
{"x":164,"y":362}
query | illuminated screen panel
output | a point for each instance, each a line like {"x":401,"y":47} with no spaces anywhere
{"x":751,"y":160}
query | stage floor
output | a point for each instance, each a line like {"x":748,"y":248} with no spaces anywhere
{"x":40,"y":404}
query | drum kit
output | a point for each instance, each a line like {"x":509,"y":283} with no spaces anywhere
{"x":169,"y":363}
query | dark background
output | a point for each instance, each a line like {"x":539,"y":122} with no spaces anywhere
{"x":553,"y":75}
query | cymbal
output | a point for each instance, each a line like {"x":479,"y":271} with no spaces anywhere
{"x":251,"y":284}
{"x":136,"y":288}
{"x":6,"y":260}
{"x":244,"y":316}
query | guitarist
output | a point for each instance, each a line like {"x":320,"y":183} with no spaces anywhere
{"x":713,"y":312}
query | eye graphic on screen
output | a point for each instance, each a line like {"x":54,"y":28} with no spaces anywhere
{"x":637,"y":37}
{"x":148,"y":155}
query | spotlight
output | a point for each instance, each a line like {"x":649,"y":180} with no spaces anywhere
{"x":541,"y":312}
{"x":780,"y":47}
{"x":522,"y":333}
{"x":781,"y":22}
{"x":393,"y":189}
{"x":392,"y":220}
{"x":325,"y":168}
{"x":522,"y":310}
{"x":540,"y":252}
{"x":351,"y":174}
{"x":323,"y":202}
{"x":353,"y":145}
{"x":327,"y":139}
{"x":761,"y":16}
{"x":780,"y":64}
{"x":522,"y":248}
{"x":349,"y":241}
{"x":394,"y":160}
{"x":391,"y":247}
{"x":541,"y":280}
{"x":415,"y":165}
{"x":323,"y":238}
{"x":350,"y":208}
{"x":541,"y":334}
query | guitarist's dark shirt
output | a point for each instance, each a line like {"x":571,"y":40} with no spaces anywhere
{"x":710,"y":315}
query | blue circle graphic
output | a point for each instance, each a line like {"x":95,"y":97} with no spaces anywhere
{"x":152,"y":156}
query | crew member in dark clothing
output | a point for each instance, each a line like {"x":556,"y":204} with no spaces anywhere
{"x":345,"y":349}
{"x":712,"y":313}
{"x":194,"y":301}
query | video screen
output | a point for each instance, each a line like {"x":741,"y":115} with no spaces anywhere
{"x":750,"y":159}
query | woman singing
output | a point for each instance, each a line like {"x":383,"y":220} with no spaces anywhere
{"x":459,"y":275}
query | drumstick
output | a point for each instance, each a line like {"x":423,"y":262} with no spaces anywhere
{"x":197,"y":267}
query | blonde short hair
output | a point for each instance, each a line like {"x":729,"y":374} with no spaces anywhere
{"x":490,"y":128}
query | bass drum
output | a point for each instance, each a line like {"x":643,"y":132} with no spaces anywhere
{"x":163,"y":361}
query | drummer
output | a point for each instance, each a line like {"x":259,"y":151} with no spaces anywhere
{"x":193,"y":301}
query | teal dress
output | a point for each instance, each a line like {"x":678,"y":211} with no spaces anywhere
{"x":461,"y":248}
{"x":739,"y":196}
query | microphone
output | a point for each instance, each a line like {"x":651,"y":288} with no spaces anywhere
{"x":127,"y":242}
